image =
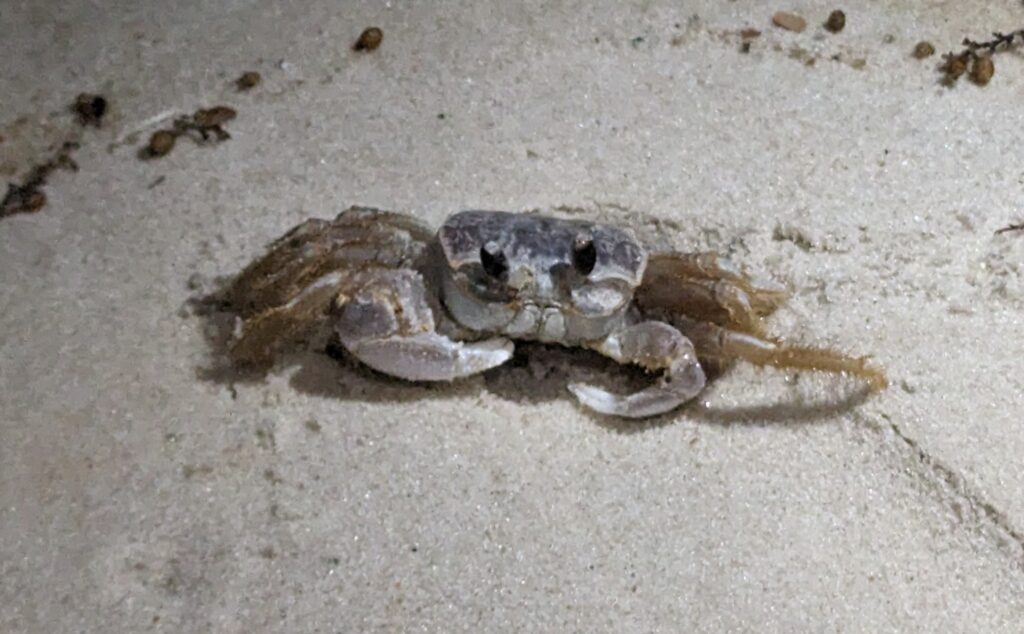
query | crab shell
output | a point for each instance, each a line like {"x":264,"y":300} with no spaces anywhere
{"x":542,"y":291}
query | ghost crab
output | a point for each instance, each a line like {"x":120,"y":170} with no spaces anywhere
{"x":429,"y":306}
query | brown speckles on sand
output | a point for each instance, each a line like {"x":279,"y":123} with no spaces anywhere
{"x":160,"y":143}
{"x":28,"y":197}
{"x":982,"y":70}
{"x":836,"y":21}
{"x":923,"y":49}
{"x":369,"y":40}
{"x":90,"y":109}
{"x":789,"y":21}
{"x":202,"y":126}
{"x":248,"y":80}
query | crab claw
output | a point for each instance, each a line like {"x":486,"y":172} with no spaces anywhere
{"x":655,"y":346}
{"x":429,"y":356}
{"x":388,"y":324}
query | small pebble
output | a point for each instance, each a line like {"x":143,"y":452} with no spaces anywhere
{"x":249,"y":79}
{"x":160,"y":143}
{"x":23,"y":201}
{"x":749,"y":34}
{"x":982,"y":70}
{"x":789,"y":21}
{"x":217,"y":115}
{"x":20,"y":200}
{"x":90,"y":109}
{"x":836,"y":21}
{"x":369,"y":39}
{"x":923,"y":50}
{"x":194,"y":282}
{"x":35,"y":201}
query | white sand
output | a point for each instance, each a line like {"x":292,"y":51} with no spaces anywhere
{"x":136,"y":495}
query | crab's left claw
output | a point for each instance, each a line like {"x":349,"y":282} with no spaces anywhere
{"x":655,"y":346}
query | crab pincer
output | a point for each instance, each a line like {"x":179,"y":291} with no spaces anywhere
{"x":655,"y":346}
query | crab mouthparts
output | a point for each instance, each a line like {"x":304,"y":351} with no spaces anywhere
{"x":546,"y":324}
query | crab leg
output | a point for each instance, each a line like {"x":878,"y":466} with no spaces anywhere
{"x":288,"y":292}
{"x":265,"y":333}
{"x":765,"y":295}
{"x":389,"y":325}
{"x":708,"y":287}
{"x":716,"y":301}
{"x":358,"y":238}
{"x":655,"y":346}
{"x":721,"y":344}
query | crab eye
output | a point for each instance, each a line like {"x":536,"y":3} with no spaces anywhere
{"x":584,"y":254}
{"x":493,"y":260}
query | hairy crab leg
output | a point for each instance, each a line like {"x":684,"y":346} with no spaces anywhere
{"x":388,"y":324}
{"x":719,"y":302}
{"x":290,"y":259}
{"x":359,"y":237}
{"x":706,"y":286}
{"x":653,"y":345}
{"x":289,"y":291}
{"x":721,"y":344}
{"x":263,"y":334}
{"x":312,"y":272}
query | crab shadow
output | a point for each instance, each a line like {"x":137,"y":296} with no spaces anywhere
{"x":319,"y":367}
{"x":541,"y":373}
{"x":537,"y":374}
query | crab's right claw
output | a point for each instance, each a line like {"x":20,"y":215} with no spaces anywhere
{"x":653,"y":345}
{"x":388,"y":324}
{"x":429,"y":356}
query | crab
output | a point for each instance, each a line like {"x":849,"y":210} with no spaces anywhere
{"x":439,"y":306}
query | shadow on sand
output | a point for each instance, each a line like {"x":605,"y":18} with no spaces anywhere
{"x":536,"y":374}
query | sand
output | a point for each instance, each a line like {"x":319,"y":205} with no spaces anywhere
{"x":140,"y":493}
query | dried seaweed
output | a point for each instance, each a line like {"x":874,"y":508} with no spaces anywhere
{"x":977,"y":57}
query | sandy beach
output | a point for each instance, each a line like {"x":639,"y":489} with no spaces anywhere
{"x":141,"y":492}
